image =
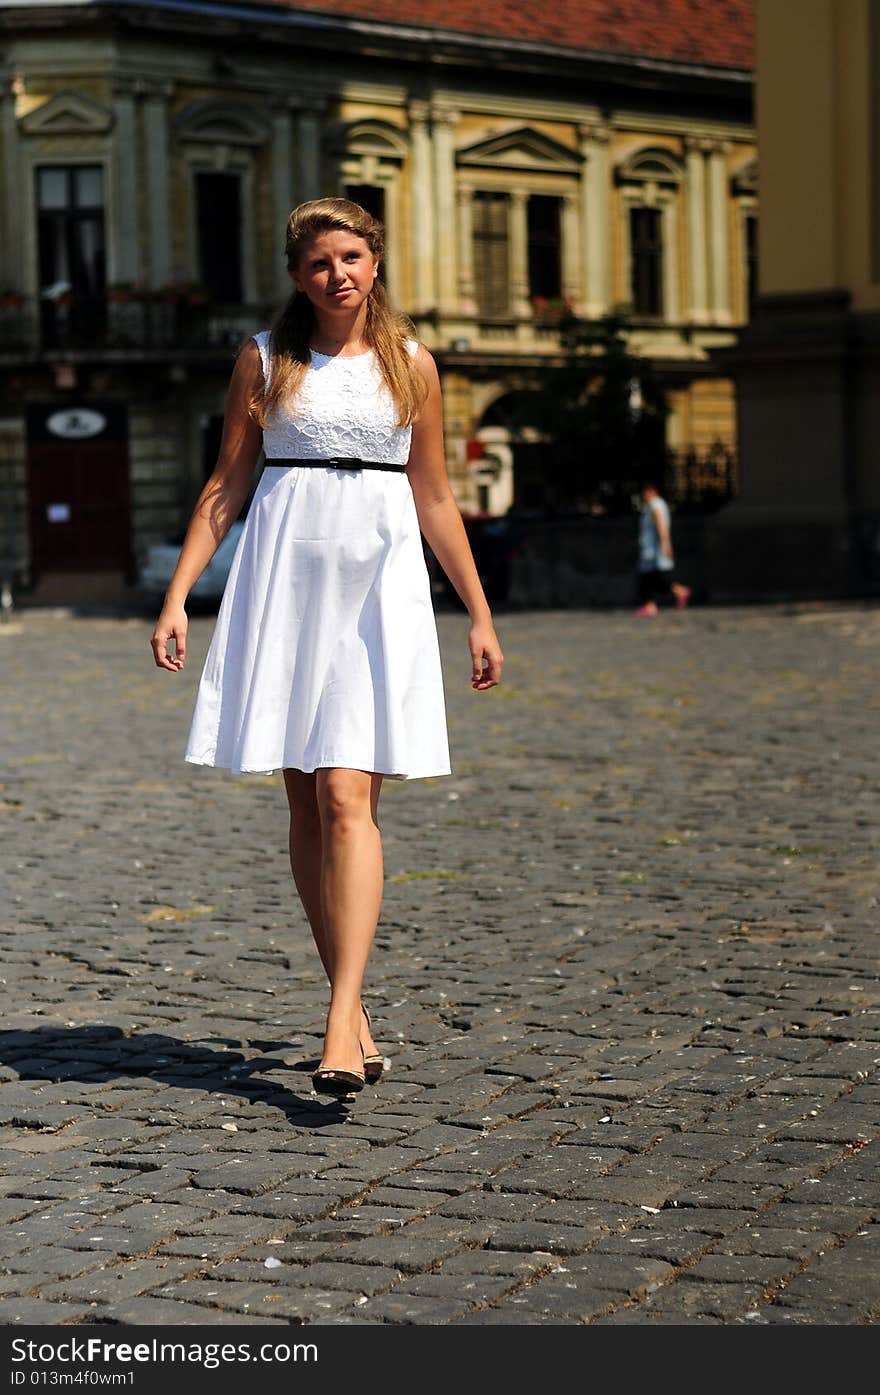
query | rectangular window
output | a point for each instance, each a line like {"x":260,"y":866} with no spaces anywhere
{"x":751,"y":231}
{"x":646,"y":244}
{"x":491,"y":253}
{"x":70,"y":223}
{"x":218,"y":224}
{"x":545,"y":257}
{"x":71,"y":254}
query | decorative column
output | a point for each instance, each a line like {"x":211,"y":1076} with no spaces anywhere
{"x":671,"y":288}
{"x":596,"y":220}
{"x":282,"y":194}
{"x":444,"y":202}
{"x":697,"y":248}
{"x":310,"y":152}
{"x":520,"y":303}
{"x":466,"y":290}
{"x":157,"y":183}
{"x":571,"y":250}
{"x":719,"y":240}
{"x":11,"y":239}
{"x":421,"y":209}
{"x":125,"y":249}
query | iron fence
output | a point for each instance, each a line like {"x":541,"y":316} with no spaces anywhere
{"x":700,"y":481}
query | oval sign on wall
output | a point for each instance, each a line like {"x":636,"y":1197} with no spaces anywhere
{"x":76,"y":423}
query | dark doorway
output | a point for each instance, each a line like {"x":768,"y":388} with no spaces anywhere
{"x":78,"y":487}
{"x":218,"y":218}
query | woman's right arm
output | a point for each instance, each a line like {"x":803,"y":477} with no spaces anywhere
{"x":219,"y":504}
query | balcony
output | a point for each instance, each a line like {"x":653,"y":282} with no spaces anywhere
{"x":121,"y":324}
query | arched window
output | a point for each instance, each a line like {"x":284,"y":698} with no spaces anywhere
{"x":650,"y":182}
{"x":368,"y":156}
{"x":219,"y":143}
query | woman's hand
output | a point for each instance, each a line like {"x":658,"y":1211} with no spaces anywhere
{"x":172,"y":624}
{"x":486,"y":657}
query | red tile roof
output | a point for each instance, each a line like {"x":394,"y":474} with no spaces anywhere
{"x":715,"y":32}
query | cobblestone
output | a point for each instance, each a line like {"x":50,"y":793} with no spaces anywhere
{"x":634,"y":1042}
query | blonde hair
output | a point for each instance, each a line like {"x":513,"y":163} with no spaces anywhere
{"x":386,"y":332}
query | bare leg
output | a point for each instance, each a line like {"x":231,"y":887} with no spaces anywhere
{"x":305,"y":850}
{"x":351,"y":897}
{"x":306,"y":859}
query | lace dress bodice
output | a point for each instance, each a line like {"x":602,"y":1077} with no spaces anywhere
{"x":344,"y":408}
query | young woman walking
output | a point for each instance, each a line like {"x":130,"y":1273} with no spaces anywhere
{"x":324,"y":661}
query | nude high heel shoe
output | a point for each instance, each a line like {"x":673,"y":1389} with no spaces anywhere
{"x":328,"y":1081}
{"x":373,"y":1065}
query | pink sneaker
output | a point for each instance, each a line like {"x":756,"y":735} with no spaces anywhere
{"x":682,"y":597}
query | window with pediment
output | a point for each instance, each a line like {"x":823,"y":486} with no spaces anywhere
{"x":220,"y":142}
{"x":516,"y":225}
{"x":650,"y":186}
{"x":368,"y":156}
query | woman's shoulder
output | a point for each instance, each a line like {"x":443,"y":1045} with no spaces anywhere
{"x":421,"y":355}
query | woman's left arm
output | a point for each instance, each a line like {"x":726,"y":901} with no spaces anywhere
{"x":441,"y":523}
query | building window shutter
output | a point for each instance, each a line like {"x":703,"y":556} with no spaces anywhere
{"x":491,"y":253}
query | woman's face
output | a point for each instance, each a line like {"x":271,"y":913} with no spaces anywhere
{"x":336,"y":270}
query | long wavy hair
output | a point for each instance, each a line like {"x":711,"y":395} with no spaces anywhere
{"x":386,"y":332}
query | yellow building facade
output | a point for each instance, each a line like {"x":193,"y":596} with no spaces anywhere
{"x":149,"y":168}
{"x":807,"y":520}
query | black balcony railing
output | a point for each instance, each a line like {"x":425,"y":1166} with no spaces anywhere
{"x":119,"y":323}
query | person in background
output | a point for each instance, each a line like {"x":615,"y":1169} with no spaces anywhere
{"x":656,"y":559}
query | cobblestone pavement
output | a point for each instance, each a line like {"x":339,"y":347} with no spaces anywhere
{"x":625,"y":976}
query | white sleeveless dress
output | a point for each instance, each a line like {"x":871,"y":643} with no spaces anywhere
{"x":325,"y":649}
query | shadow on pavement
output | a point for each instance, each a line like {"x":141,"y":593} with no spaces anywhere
{"x":98,"y":1054}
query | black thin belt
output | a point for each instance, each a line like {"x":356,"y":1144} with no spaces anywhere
{"x":339,"y":462}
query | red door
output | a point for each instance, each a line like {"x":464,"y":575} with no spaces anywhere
{"x":79,"y":491}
